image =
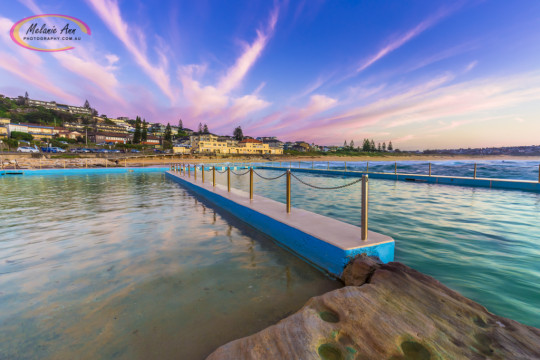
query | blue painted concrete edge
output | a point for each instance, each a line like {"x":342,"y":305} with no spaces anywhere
{"x":315,"y":251}
{"x":444,"y":180}
{"x":83,"y":171}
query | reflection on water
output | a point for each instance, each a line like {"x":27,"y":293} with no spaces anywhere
{"x":484,"y":243}
{"x":131,"y":266}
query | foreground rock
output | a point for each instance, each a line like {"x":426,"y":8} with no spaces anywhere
{"x":398,"y":313}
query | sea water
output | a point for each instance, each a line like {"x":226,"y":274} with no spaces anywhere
{"x":484,"y":243}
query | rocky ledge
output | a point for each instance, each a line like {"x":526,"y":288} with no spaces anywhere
{"x":388,"y":311}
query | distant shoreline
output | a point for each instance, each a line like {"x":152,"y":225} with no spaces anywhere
{"x":409,"y":157}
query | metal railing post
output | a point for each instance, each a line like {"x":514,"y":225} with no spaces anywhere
{"x":202,"y":173}
{"x":288,"y":190}
{"x":299,"y":164}
{"x":228,"y":178}
{"x":367,"y":166}
{"x":345,"y":165}
{"x":429,"y":169}
{"x":213,"y":176}
{"x":195,"y":172}
{"x":328,"y":165}
{"x":312,"y":165}
{"x":189,"y":170}
{"x":395,"y":168}
{"x":475,"y":170}
{"x":364,"y":225}
{"x":251,"y":183}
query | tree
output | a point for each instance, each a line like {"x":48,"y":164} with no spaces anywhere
{"x":168,"y":133}
{"x":390,"y":147}
{"x":345,"y":144}
{"x":383,"y":146}
{"x":137,"y":133}
{"x":180,"y":125}
{"x":379,"y":148}
{"x":351,"y":145}
{"x":200,"y":128}
{"x":144,"y":133}
{"x":87,"y":104}
{"x":18,"y":135}
{"x":238,"y":134}
{"x":26,"y":95}
{"x":372,"y":146}
{"x":365,"y":145}
{"x":205,"y":129}
{"x":167,"y":137}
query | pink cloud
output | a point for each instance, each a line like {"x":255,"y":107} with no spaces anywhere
{"x":79,"y":61}
{"x":251,"y":53}
{"x":109,"y":12}
{"x":216,"y":102}
{"x":28,"y":65}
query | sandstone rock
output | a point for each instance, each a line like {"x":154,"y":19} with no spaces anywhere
{"x":399,"y":314}
{"x":359,"y":270}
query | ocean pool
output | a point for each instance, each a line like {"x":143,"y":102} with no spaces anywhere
{"x":132,"y":266}
{"x":484,"y":243}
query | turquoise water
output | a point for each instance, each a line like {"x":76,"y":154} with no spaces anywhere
{"x":484,"y":243}
{"x":131,"y":266}
{"x":499,"y":169}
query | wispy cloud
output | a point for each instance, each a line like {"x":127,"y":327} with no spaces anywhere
{"x":251,"y":53}
{"x":84,"y":64}
{"x":27,"y":65}
{"x":434,"y":100}
{"x":406,"y":37}
{"x":219,"y":101}
{"x":135,"y":42}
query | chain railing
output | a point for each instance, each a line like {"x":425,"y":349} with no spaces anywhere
{"x":288,"y":174}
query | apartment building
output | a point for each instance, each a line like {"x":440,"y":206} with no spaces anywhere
{"x":37,"y":131}
{"x":62,"y":107}
{"x":209,"y":143}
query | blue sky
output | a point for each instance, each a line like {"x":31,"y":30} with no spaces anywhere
{"x":422,"y":74}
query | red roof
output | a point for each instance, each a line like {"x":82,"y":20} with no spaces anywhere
{"x":250,"y":141}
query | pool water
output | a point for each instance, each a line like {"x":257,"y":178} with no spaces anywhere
{"x":132,"y":266}
{"x":484,"y":243}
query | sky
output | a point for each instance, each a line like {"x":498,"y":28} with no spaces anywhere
{"x":423,"y":74}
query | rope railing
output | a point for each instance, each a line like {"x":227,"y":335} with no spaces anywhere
{"x":326,"y":188}
{"x":288,"y":174}
{"x":269,"y":178}
{"x":235,"y":173}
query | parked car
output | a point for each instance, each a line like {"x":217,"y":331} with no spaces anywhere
{"x":135,"y":151}
{"x":53,"y":150}
{"x":157,"y":151}
{"x":27,"y":149}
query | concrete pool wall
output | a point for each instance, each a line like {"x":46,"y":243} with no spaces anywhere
{"x":327,"y":243}
{"x":110,"y":170}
